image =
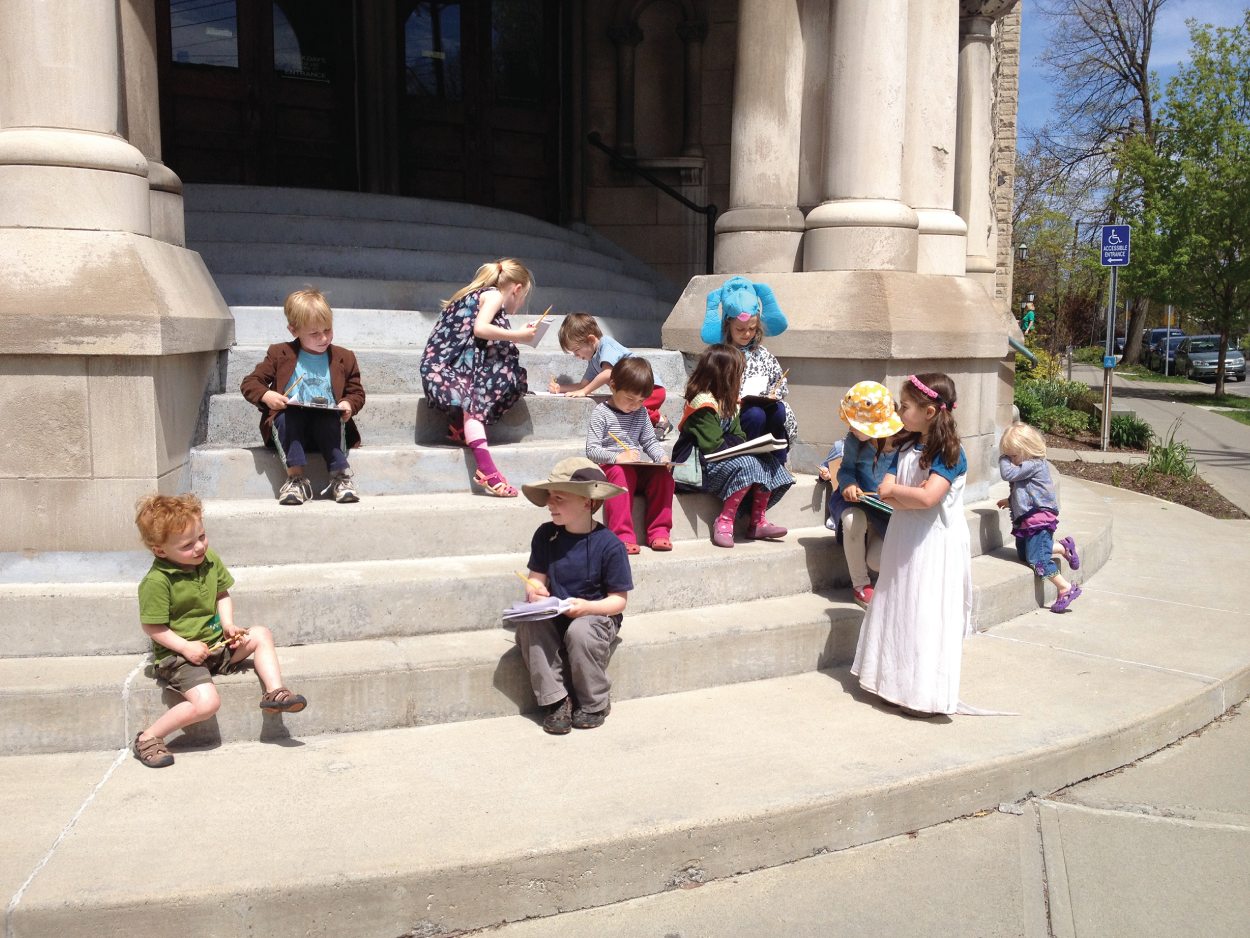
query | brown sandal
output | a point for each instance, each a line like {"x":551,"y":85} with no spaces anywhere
{"x":282,"y":700}
{"x":152,"y":752}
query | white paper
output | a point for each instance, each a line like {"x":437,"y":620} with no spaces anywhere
{"x":755,"y":386}
{"x":538,"y":334}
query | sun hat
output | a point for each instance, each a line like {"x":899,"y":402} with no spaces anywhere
{"x":578,"y":475}
{"x":869,"y":408}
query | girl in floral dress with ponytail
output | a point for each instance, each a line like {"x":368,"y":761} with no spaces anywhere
{"x":471,"y":368}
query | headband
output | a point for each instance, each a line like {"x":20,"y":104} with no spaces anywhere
{"x":929,"y":392}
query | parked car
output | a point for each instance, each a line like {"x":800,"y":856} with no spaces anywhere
{"x":1198,"y":356}
{"x":1165,"y":352}
{"x":1152,"y":338}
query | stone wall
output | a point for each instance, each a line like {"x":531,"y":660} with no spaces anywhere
{"x":1006,"y":56}
{"x":644,"y":221}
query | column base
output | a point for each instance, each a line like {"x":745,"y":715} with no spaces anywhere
{"x":759,"y":240}
{"x":984,"y":271}
{"x":942,"y":245}
{"x":861,"y":234}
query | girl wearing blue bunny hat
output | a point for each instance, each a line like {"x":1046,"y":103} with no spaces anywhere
{"x":740,"y":313}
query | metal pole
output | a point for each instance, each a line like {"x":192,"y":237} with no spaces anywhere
{"x":1109,"y":359}
{"x":1167,"y":342}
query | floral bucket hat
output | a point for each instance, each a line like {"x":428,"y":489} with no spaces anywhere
{"x":869,"y":408}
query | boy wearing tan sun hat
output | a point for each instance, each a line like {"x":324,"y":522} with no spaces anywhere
{"x":868,"y":408}
{"x":574,"y":557}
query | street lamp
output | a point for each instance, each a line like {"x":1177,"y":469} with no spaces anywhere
{"x":1022,"y":252}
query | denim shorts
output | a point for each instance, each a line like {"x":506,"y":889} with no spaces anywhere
{"x":1037,"y":550}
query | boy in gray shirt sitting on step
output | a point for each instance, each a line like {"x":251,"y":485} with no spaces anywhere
{"x":574,"y":557}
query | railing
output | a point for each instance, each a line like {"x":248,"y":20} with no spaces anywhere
{"x":708,"y":211}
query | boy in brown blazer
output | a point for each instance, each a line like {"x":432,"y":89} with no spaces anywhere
{"x":308,"y":391}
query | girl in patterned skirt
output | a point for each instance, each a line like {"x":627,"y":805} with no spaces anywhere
{"x":471,"y":367}
{"x":710,"y":423}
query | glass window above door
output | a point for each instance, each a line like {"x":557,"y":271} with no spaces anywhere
{"x":517,"y":47}
{"x":432,"y":51}
{"x":304,"y":39}
{"x":205,"y":32}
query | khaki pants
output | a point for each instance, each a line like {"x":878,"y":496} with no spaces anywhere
{"x":862,"y":545}
{"x":560,"y":652}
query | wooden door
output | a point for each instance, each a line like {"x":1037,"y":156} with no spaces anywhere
{"x":480,"y":102}
{"x":258,"y":92}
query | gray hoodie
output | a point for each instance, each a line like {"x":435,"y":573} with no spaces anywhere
{"x":1031,"y":486}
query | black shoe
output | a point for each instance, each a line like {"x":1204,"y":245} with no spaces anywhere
{"x":559,"y":717}
{"x":588,"y":721}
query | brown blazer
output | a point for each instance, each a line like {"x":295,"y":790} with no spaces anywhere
{"x":274,"y":374}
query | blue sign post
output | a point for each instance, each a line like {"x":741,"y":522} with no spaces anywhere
{"x":1116,"y":241}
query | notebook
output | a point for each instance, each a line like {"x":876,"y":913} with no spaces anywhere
{"x":546,"y":608}
{"x":873,"y":502}
{"x":538,"y":334}
{"x":761,"y":444}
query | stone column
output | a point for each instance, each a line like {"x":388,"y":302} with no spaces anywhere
{"x":929,"y":150}
{"x":864,"y":224}
{"x":974,"y":146}
{"x":763,"y":229}
{"x":626,"y":39}
{"x":110,"y":335}
{"x":692,"y":36}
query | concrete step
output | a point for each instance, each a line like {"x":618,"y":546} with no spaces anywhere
{"x":398,"y":370}
{"x":56,"y":704}
{"x":72,"y":704}
{"x":395,"y":419}
{"x":319,"y":601}
{"x":673,"y":790}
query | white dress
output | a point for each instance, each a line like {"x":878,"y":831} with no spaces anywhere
{"x":911,"y":643}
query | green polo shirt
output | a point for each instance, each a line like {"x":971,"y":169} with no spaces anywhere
{"x":186,"y":599}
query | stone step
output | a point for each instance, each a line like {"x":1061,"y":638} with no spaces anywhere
{"x":395,"y":419}
{"x":319,"y":602}
{"x":56,"y":704}
{"x":442,"y":829}
{"x":398,"y":370}
{"x":70,"y":704}
{"x":396,"y":469}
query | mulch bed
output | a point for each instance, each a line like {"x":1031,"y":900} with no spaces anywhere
{"x":1085,"y":441}
{"x":1193,"y":493}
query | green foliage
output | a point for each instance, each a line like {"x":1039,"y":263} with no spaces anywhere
{"x":1029,"y":406}
{"x":1064,"y":422}
{"x":1170,"y":458}
{"x":1129,"y":431}
{"x":1191,"y":191}
{"x":1090,"y":355}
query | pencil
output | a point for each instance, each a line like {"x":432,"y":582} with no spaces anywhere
{"x":528,"y":580}
{"x":287,"y":392}
{"x":618,"y":440}
{"x":778,"y":384}
{"x":543,"y":316}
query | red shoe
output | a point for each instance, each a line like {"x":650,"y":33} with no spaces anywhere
{"x":863,"y":596}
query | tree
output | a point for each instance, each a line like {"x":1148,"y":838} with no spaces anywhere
{"x":1098,"y":55}
{"x":1192,"y":188}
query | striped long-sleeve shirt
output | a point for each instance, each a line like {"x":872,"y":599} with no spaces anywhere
{"x":634,"y":429}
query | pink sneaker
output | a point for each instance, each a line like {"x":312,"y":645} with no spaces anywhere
{"x":723,"y":533}
{"x":759,"y":531}
{"x":863,"y":596}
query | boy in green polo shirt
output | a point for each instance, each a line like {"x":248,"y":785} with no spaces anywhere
{"x":185,"y":607}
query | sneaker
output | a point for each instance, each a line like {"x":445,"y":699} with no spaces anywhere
{"x":342,"y":488}
{"x":662,"y":426}
{"x":559,"y":718}
{"x":863,"y":596}
{"x":152,"y":752}
{"x":589,"y":721}
{"x":723,"y":533}
{"x":295,"y":491}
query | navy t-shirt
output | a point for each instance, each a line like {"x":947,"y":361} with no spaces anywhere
{"x":580,"y":566}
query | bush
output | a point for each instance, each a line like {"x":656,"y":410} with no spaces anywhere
{"x":1170,"y":458}
{"x":1130,"y":431}
{"x":1054,"y":392}
{"x":1090,"y":355}
{"x":1064,"y":422}
{"x":1029,"y":406}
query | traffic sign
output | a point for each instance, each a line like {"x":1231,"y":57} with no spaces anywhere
{"x":1115,"y":245}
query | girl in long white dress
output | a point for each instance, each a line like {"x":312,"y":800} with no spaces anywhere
{"x":911,"y":642}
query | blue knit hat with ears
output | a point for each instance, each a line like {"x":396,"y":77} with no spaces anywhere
{"x":737,"y":296}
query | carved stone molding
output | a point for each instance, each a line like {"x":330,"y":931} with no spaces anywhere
{"x":994,"y":9}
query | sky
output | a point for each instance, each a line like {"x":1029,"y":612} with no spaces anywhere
{"x":1171,"y":47}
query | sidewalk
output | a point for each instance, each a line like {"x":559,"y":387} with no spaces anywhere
{"x":1220,"y":446}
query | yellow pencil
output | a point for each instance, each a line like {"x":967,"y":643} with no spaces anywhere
{"x":778,"y":384}
{"x":536,"y":586}
{"x":618,"y":439}
{"x":543,"y":316}
{"x":287,"y":392}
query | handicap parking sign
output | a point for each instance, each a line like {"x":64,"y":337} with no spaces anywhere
{"x":1115,"y":245}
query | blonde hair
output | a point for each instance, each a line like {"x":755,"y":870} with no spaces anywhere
{"x":159,"y":516}
{"x":306,"y":308}
{"x":1022,"y":440}
{"x":503,"y":271}
{"x":576,"y":329}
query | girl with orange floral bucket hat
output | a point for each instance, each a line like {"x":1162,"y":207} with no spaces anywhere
{"x":868,"y":408}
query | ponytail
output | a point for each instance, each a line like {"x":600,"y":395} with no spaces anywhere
{"x":506,"y":270}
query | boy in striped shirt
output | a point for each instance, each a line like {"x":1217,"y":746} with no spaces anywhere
{"x":624,"y":417}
